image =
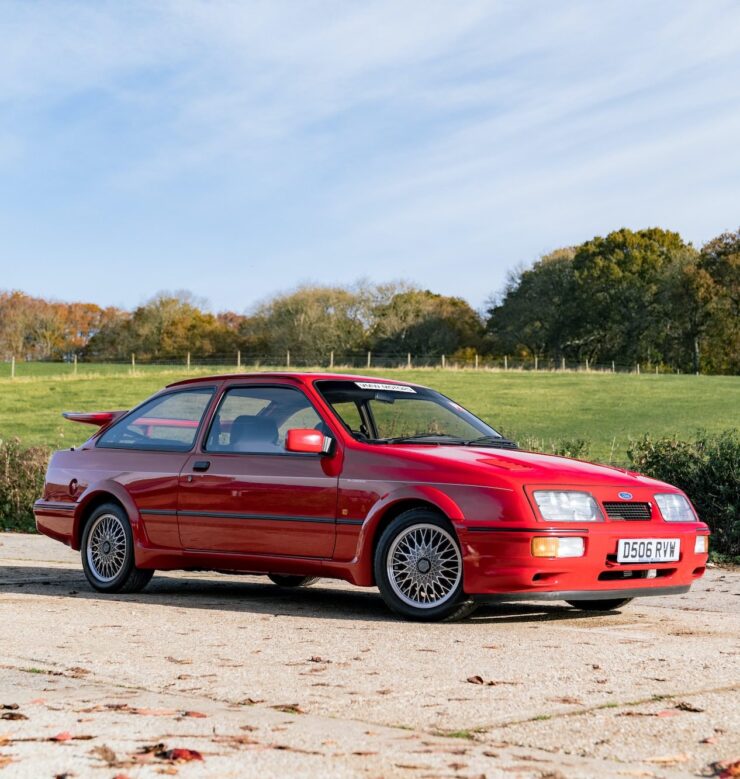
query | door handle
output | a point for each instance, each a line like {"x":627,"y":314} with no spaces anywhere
{"x":201,"y":465}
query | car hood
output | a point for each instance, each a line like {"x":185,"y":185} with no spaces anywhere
{"x":526,"y":467}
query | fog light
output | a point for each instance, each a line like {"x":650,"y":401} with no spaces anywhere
{"x":701,"y":545}
{"x":557,"y":547}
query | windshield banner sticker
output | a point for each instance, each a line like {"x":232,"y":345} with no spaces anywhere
{"x":371,"y":385}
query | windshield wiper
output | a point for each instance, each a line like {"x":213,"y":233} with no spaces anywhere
{"x":495,"y":441}
{"x":431,"y":438}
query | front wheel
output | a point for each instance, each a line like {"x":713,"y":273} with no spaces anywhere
{"x":107,"y":552}
{"x":599,"y":605}
{"x":418,"y":568}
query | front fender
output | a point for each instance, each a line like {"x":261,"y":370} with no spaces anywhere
{"x":422,"y":493}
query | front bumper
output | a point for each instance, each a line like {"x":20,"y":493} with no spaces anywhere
{"x":634,"y":592}
{"x":498,"y":562}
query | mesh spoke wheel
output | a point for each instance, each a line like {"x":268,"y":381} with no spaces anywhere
{"x":424,"y":566}
{"x":106,"y":547}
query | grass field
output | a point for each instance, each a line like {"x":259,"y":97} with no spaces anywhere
{"x":536,"y":409}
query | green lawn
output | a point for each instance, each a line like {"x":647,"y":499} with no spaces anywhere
{"x":534,"y":408}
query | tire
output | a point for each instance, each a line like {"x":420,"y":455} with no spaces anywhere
{"x":292,"y":580}
{"x":599,"y":605}
{"x":427,"y":538}
{"x":112,"y":568}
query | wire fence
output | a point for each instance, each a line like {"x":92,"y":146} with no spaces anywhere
{"x":333,"y":361}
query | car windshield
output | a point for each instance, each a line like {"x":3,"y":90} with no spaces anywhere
{"x":381,"y":412}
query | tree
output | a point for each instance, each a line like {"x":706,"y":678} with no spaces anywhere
{"x":616,"y":298}
{"x":425,"y":323}
{"x":310,"y":322}
{"x":535,"y":309}
{"x":720,"y":261}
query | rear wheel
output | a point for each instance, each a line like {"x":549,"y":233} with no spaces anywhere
{"x":107,"y":552}
{"x":418,"y":568}
{"x":291,"y":580}
{"x":599,"y":605}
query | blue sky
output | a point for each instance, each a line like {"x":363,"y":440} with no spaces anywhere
{"x":237,"y":149}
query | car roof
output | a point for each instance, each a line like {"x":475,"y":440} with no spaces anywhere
{"x":304,"y":378}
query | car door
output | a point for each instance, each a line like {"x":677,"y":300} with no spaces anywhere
{"x":145,"y":452}
{"x":244,"y":493}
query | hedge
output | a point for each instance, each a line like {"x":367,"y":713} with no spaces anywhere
{"x":707,"y":469}
{"x":22,"y":473}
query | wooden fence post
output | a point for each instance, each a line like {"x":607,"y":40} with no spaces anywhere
{"x":287,"y":358}
{"x":12,"y":367}
{"x":535,"y":362}
{"x":443,"y":361}
{"x":476,"y":361}
{"x":75,"y":365}
{"x":408,"y":360}
{"x":369,"y":358}
{"x":638,"y":368}
{"x":133,"y":362}
{"x":187,"y":361}
{"x":506,"y":363}
{"x":614,"y":370}
{"x":239,"y":360}
{"x":331,"y":359}
{"x":562,"y":364}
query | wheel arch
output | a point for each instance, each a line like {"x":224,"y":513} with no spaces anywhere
{"x":98,"y":496}
{"x":391,"y":507}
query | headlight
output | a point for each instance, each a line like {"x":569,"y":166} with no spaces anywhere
{"x":560,"y":506}
{"x":675,"y":508}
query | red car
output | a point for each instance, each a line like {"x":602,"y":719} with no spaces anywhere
{"x":378,"y":482}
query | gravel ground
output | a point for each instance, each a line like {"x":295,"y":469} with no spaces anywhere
{"x":259,"y":681}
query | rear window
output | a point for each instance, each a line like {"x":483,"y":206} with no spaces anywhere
{"x":168,"y":422}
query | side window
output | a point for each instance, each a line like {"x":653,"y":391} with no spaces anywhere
{"x":255,"y":420}
{"x":168,"y":422}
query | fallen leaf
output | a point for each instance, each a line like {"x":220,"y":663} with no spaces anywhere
{"x":10,"y":706}
{"x":104,"y":753}
{"x":317,"y":659}
{"x":77,"y":672}
{"x":180,"y":755}
{"x":178,"y":661}
{"x":154,"y":712}
{"x":669,"y":759}
{"x":667,"y":713}
{"x":727,"y":769}
{"x":252,"y":701}
{"x":195,"y":714}
{"x":289,"y":708}
{"x":683,"y":706}
{"x":5,"y":760}
{"x":65,"y":735}
{"x":12,"y":715}
{"x":490,"y":683}
{"x":709,"y":740}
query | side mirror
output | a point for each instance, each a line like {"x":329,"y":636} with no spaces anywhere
{"x":308,"y":441}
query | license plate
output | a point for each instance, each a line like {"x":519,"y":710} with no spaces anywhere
{"x":648,"y":550}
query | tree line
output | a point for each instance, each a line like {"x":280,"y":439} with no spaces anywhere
{"x":630,"y":297}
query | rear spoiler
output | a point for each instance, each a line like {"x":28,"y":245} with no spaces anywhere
{"x":99,"y":418}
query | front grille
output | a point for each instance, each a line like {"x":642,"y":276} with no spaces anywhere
{"x":627,"y":510}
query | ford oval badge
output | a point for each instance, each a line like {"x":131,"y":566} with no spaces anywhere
{"x":625,"y":495}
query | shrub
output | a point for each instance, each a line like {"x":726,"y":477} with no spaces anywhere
{"x":21,"y":483}
{"x":707,"y":469}
{"x":577,"y":448}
